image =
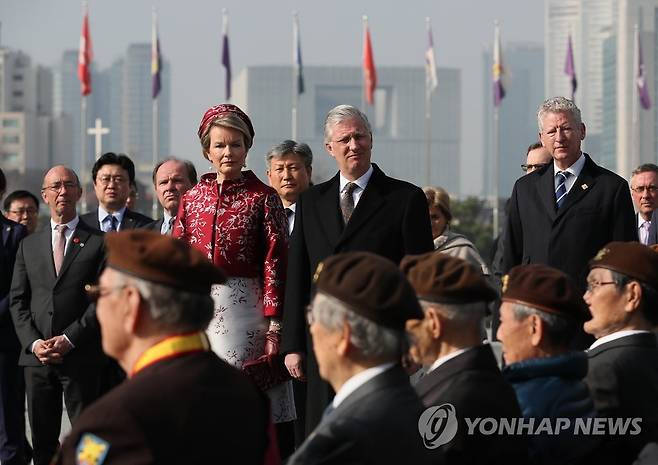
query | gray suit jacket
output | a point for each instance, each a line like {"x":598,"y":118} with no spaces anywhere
{"x":44,"y":305}
{"x":376,"y":424}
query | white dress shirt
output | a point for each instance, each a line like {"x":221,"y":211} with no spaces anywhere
{"x":643,"y":232}
{"x":166,"y":226}
{"x":358,"y":380}
{"x":291,"y":218}
{"x":575,"y":169}
{"x":616,"y":335}
{"x":361,"y":183}
{"x":441,"y":360}
{"x":102,"y":214}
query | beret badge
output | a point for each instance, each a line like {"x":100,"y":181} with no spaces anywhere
{"x":318,"y":270}
{"x":505,"y":281}
{"x":601,"y":253}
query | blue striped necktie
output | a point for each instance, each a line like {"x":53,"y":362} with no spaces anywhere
{"x":561,"y":190}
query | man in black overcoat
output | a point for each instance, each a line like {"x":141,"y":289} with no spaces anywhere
{"x":359,"y":209}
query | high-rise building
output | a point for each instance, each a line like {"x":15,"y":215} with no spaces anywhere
{"x":620,"y":134}
{"x":136,"y":109}
{"x":397,"y":118}
{"x":518,"y":129}
{"x":24,"y":123}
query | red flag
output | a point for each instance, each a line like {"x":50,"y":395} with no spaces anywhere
{"x":85,"y":56}
{"x":369,"y":72}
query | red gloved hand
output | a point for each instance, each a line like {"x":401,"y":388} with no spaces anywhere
{"x":272,"y":342}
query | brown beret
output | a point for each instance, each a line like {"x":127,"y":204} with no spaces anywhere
{"x":546,"y":289}
{"x":441,"y":278}
{"x":161,"y":259}
{"x":632,"y":259}
{"x":371,"y":286}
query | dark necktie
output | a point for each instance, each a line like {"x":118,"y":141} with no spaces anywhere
{"x":561,"y":189}
{"x":347,"y":201}
{"x":59,"y":246}
{"x":289,"y":214}
{"x":114,"y":223}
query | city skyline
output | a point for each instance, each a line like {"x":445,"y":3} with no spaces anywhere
{"x":190,"y":40}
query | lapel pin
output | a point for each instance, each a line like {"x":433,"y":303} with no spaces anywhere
{"x":584,"y":187}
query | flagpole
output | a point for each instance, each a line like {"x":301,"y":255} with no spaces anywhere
{"x":83,"y":150}
{"x":154,"y":106}
{"x":83,"y":102}
{"x":226,"y":58}
{"x":428,"y":115}
{"x":635,"y":157}
{"x":496,"y":144}
{"x":364,"y":19}
{"x":295,"y":71}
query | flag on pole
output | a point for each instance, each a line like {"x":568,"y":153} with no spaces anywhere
{"x":156,"y":60}
{"x":498,"y":69}
{"x":369,"y":72}
{"x":570,"y":68}
{"x":640,"y":80}
{"x":85,"y":55}
{"x":430,"y":61}
{"x":297,"y":55}
{"x":226,"y":58}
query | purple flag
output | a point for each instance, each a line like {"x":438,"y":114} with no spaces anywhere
{"x":498,"y":70}
{"x":297,"y":57}
{"x":641,"y":81}
{"x":156,"y":60}
{"x":570,"y":68}
{"x":226,"y":58}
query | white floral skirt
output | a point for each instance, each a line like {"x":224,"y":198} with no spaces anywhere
{"x":237,"y":335}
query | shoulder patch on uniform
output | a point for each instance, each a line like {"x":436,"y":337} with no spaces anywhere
{"x":91,"y":450}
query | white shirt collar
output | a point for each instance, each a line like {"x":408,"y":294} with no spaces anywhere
{"x":616,"y":335}
{"x":357,"y":381}
{"x":641,"y":221}
{"x":441,"y":360}
{"x":575,"y":168}
{"x":71,"y":225}
{"x":362,"y":182}
{"x":102,"y":214}
{"x":293,"y":207}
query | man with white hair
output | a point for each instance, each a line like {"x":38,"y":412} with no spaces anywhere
{"x":562,"y":215}
{"x":461,"y":370}
{"x":359,"y":209}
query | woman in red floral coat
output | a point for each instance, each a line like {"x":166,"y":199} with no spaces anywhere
{"x":239,"y":223}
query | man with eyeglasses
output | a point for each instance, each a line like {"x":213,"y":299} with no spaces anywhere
{"x":562,"y":215}
{"x":644,"y":190}
{"x":23,"y":207}
{"x":537,"y":157}
{"x":56,"y":326}
{"x":622,"y":296}
{"x":359,"y":209}
{"x":112,"y":176}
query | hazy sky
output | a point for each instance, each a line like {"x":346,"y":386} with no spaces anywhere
{"x":260,"y":33}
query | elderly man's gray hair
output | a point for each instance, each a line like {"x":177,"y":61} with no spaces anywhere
{"x":290,"y":146}
{"x":372,"y":340}
{"x":341,"y":113}
{"x":558,"y":105}
{"x":459,"y":313}
{"x":559,"y":330}
{"x":173,"y":309}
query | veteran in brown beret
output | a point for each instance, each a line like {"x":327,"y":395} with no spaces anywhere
{"x":357,"y":320}
{"x":541,"y":312}
{"x":460,"y":369}
{"x":622,"y":296}
{"x":153,"y":305}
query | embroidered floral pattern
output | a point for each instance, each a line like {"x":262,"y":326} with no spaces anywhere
{"x":241,"y":227}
